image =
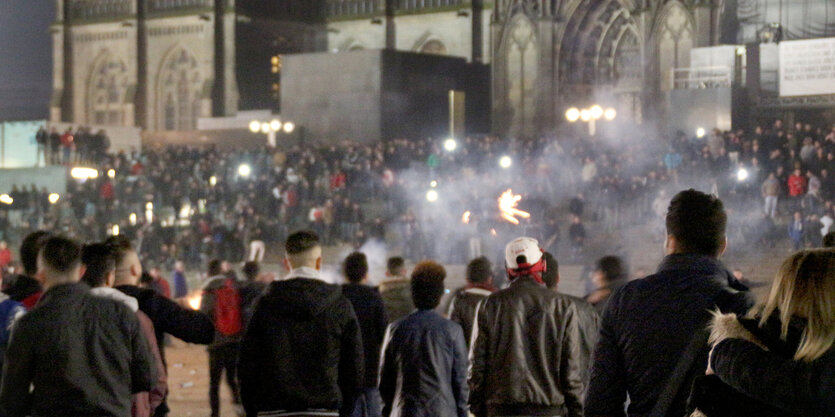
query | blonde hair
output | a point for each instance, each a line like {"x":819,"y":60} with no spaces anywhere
{"x":805,"y":287}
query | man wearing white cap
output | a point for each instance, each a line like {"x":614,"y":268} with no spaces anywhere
{"x":525,"y":354}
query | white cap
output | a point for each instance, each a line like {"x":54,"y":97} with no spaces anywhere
{"x":522,"y":247}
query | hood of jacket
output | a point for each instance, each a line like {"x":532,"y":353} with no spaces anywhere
{"x":301,"y":298}
{"x":116,"y":295}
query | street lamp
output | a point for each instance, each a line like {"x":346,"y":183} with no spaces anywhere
{"x":271,"y":128}
{"x":590,"y":115}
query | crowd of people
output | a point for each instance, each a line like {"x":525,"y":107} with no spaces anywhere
{"x":193,"y":204}
{"x":83,"y":333}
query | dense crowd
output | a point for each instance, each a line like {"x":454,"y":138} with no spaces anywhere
{"x":192,"y":204}
{"x":83,"y":331}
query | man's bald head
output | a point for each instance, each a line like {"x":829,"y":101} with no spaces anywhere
{"x":302,"y":249}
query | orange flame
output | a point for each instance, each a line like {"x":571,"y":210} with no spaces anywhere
{"x":466,"y":217}
{"x":507,"y":204}
{"x":194,"y":300}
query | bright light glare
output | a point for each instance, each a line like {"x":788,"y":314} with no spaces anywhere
{"x":111,"y":173}
{"x":465,"y":218}
{"x":289,"y":127}
{"x":596,"y":112}
{"x":700,"y":132}
{"x":149,"y":206}
{"x":254,"y":126}
{"x":433,"y":183}
{"x":115,"y":230}
{"x":505,"y":162}
{"x":585,"y":115}
{"x":610,"y":114}
{"x":6,"y":199}
{"x":450,"y":144}
{"x":244,"y":170}
{"x":265,"y":127}
{"x":431,"y":196}
{"x":572,"y":114}
{"x":53,"y":198}
{"x":742,"y":174}
{"x":81,"y":173}
{"x":275,"y":125}
{"x":213,"y":180}
{"x":132,"y":219}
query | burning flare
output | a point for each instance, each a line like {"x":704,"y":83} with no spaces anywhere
{"x":194,"y":300}
{"x":507,"y":204}
{"x":466,"y":217}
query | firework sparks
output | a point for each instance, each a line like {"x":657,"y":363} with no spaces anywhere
{"x":507,"y":205}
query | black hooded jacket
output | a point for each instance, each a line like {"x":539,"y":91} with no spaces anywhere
{"x":302,"y":349}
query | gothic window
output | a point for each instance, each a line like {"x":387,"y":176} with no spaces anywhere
{"x":179,"y":91}
{"x":107,"y":89}
{"x":675,"y":41}
{"x":521,"y":76}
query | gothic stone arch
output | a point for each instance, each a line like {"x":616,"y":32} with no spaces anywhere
{"x":107,"y":88}
{"x":178,"y":91}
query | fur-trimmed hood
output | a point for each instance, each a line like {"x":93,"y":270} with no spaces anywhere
{"x":728,"y":326}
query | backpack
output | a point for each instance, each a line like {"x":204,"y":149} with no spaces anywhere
{"x":228,"y":309}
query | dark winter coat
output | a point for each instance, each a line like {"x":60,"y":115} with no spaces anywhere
{"x":424,"y":367}
{"x":526,"y":353}
{"x":397,"y":298}
{"x":772,"y":378}
{"x":647,"y":327}
{"x":168,"y":317}
{"x":463,"y":306}
{"x":84,"y":355}
{"x":302,"y":349}
{"x":372,"y":319}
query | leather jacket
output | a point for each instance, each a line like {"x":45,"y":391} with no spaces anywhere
{"x":526,"y":354}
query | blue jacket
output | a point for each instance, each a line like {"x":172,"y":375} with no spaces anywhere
{"x":424,"y":367}
{"x":10,"y":311}
{"x":647,"y":327}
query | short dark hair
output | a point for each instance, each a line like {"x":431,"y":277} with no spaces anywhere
{"x":355,"y":267}
{"x":612,"y":268}
{"x":395,"y":264}
{"x":61,"y":254}
{"x":214,"y":267}
{"x":479,"y":270}
{"x":146,"y":278}
{"x":98,"y":261}
{"x":697,"y":221}
{"x":29,"y":249}
{"x":251,"y":270}
{"x":301,"y":242}
{"x":829,"y":240}
{"x":552,"y":270}
{"x":428,"y":284}
{"x":120,"y":246}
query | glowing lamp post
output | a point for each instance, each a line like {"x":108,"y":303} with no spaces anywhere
{"x":590,"y":115}
{"x":271,"y":128}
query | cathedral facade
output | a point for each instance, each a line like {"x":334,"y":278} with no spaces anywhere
{"x":161,"y":64}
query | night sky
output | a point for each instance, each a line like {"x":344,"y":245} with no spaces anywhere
{"x":25,"y":58}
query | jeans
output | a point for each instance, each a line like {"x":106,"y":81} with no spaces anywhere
{"x":771,"y":206}
{"x":220,"y":358}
